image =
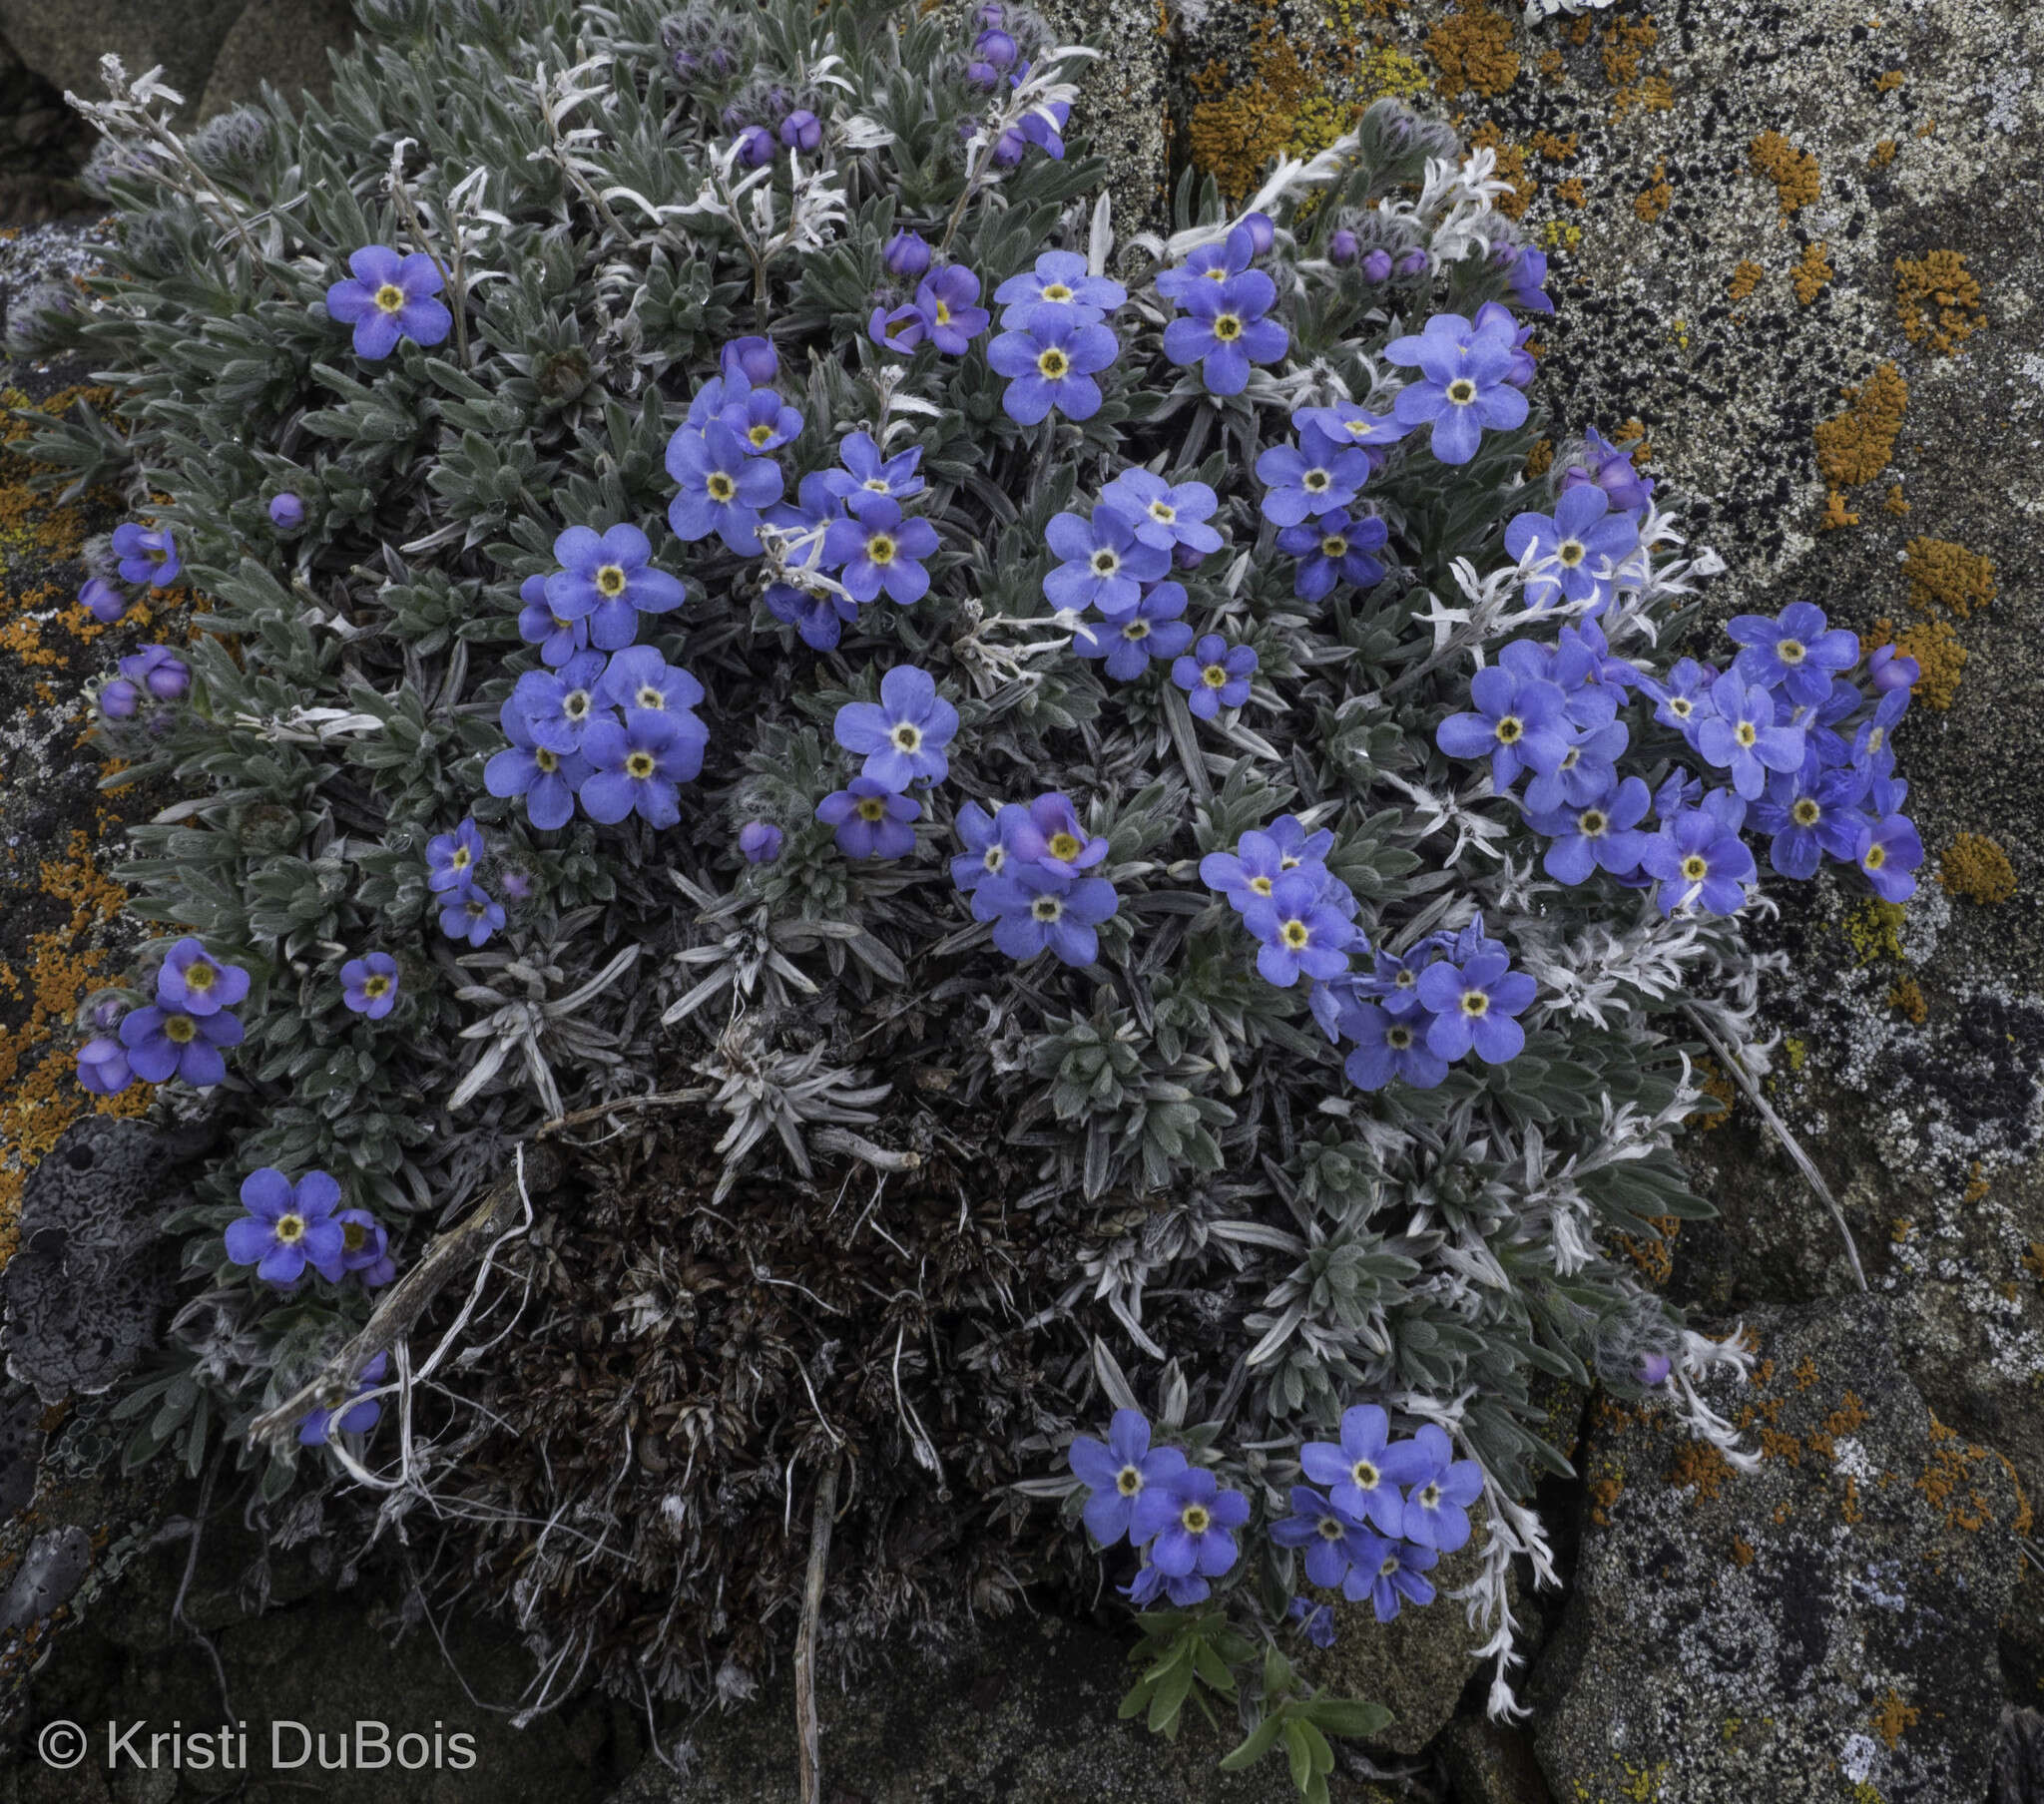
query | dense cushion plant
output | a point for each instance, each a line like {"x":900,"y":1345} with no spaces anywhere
{"x":719,"y":556}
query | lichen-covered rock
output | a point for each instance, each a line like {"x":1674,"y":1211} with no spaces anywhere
{"x":84,"y":1290}
{"x":1824,"y":1621}
{"x":1028,"y":1717}
{"x":63,"y":40}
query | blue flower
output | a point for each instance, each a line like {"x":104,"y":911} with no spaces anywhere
{"x":1393,"y":1576}
{"x":1390,"y":1045}
{"x":1612,"y":470}
{"x":907,"y":254}
{"x":538,"y":625}
{"x":1435,"y":1516}
{"x":723,"y":488}
{"x":640,"y":677}
{"x":1119,"y":1471}
{"x":1795,"y":653}
{"x":903,"y":737}
{"x":1261,"y":856}
{"x":170,"y":1043}
{"x":1316,"y":476}
{"x":636,"y":767}
{"x":1052,"y":358}
{"x":106,"y":603}
{"x":1223,"y":332}
{"x":1586,"y":540}
{"x":1587,"y":771}
{"x":606,"y":577}
{"x":289,"y":1227}
{"x":1683,"y":698}
{"x":390,"y":297}
{"x":1363,"y":1471}
{"x":158,"y":670}
{"x":1059,"y":279}
{"x":1186,"y":1519}
{"x":1741,"y":736}
{"x":470,"y":914}
{"x":1213,"y":674}
{"x":1127,"y":644}
{"x":760,"y":841}
{"x":1103,"y":564}
{"x":867,"y":472}
{"x":192,"y":979}
{"x":1149,"y":1583}
{"x":900,"y":328}
{"x":1871,"y":751}
{"x":1887,"y":852}
{"x":1210,"y":264}
{"x":1347,"y":424}
{"x":820,"y":620}
{"x":879,"y":550}
{"x":146,"y":556}
{"x":992,"y":842}
{"x":1066,"y":846}
{"x":1333,"y":1539}
{"x":368,"y":986}
{"x":1334,"y":548}
{"x":560,"y":707}
{"x":353,"y":1418}
{"x":1519,"y":723}
{"x":547,"y":779}
{"x":872,"y":821}
{"x":945,"y":300}
{"x":1529,"y":271}
{"x":365,"y":1247}
{"x":1316,"y":1620}
{"x":1162,"y":514}
{"x":103,"y":1067}
{"x":1301,"y":930}
{"x":1464,"y":387}
{"x":761,"y":419}
{"x":452,"y":859}
{"x":1032,"y":908}
{"x":1473,"y":1004}
{"x":1811,"y":813}
{"x":1394,"y":979}
{"x":1697,"y":858}
{"x":1597,"y":835}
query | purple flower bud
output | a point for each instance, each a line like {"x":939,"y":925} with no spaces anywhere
{"x":1008,"y":148}
{"x":1341,"y":248}
{"x":103,"y":1067}
{"x":1503,"y":257}
{"x":1415,"y":263}
{"x":982,"y":75}
{"x":287,"y":512}
{"x":1378,"y":265}
{"x":160,"y":670}
{"x":995,"y":46}
{"x":1187,"y":556}
{"x":761,"y":841}
{"x":721,"y":61}
{"x":801,"y":130}
{"x":990,"y":17}
{"x":118,"y":699}
{"x":1888,"y":671}
{"x":909,"y":254}
{"x":1262,"y":232}
{"x":106,"y":1013}
{"x":756,"y":146}
{"x":686,"y":63}
{"x":1654,"y":1368}
{"x":752,"y":357}
{"x":102,"y":600}
{"x":515,"y":883}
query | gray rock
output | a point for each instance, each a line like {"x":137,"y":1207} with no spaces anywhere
{"x":282,"y":41}
{"x":2019,"y":1758}
{"x":1029,"y":1718}
{"x":1492,"y":1763}
{"x":1832,"y":1614}
{"x":55,"y":1567}
{"x":63,"y":40}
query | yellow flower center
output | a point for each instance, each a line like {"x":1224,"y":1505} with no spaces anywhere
{"x":1197,"y":1517}
{"x":720,"y":485}
{"x":375,"y":987}
{"x":881,"y":549}
{"x":1806,"y":813}
{"x":1056,"y":290}
{"x":1510,"y":729}
{"x":1876,"y":856}
{"x":1053,"y":363}
{"x":1262,"y":885}
{"x":871,"y":807}
{"x":1874,"y":736}
{"x":1163,"y":512}
{"x":1104,"y":563}
{"x":1294,"y":934}
{"x":1316,"y":481}
{"x":1461,"y":391}
{"x":1331,"y":1530}
{"x":646,"y":695}
{"x":1128,"y":1481}
{"x":1333,"y":546}
{"x":458,"y":858}
{"x":1214,"y":676}
{"x":1475,"y":1002}
{"x":906,"y":736}
{"x":1136,"y":628}
{"x":1571,"y":553}
{"x":610,"y":579}
{"x":1430,"y":1497}
{"x":1591,"y":823}
{"x":1681,"y":708}
{"x":1745,"y":733}
{"x":992,"y":858}
{"x":390,"y":297}
{"x":759,"y":434}
{"x":199,"y":977}
{"x":876,"y":485}
{"x":547,"y":762}
{"x":180,"y":1030}
{"x":1065,"y":846}
{"x":1791,"y":650}
{"x":1228,"y":328}
{"x":291,"y":1229}
{"x":1694,"y":868}
{"x":1365,"y":1475}
{"x":353,"y":1236}
{"x":638,"y":764}
{"x":943,"y":312}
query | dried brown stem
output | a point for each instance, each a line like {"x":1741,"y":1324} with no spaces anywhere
{"x":808,"y":1730}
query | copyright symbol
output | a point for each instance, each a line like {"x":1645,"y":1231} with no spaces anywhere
{"x":61,"y":1744}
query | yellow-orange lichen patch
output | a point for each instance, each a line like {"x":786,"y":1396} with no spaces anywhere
{"x":1888,"y":80}
{"x":1472,"y":48}
{"x":1700,"y":1464}
{"x":1895,"y":1718}
{"x":1836,"y":515}
{"x":1975,"y":867}
{"x":1540,"y":459}
{"x":1656,"y":197}
{"x":1948,"y":1478}
{"x":1855,"y":446}
{"x":1937,"y":300}
{"x":1744,"y":279}
{"x":1895,"y":502}
{"x":1907,"y":995}
{"x":1812,"y":276}
{"x":1794,"y":174}
{"x":1941,"y":659}
{"x":1882,"y":154}
{"x":1944,"y":574}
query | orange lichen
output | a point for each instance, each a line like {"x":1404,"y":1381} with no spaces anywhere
{"x":1744,"y":279}
{"x":1947,"y":1481}
{"x":1908,"y":997}
{"x":1855,"y":446}
{"x":1602,"y":1493}
{"x":1977,"y":1185}
{"x":1573,"y":191}
{"x":1554,"y":149}
{"x":1653,"y":1254}
{"x":1893,"y":502}
{"x":1975,"y":867}
{"x":1812,"y":276}
{"x":1540,"y":459}
{"x":1941,"y":659}
{"x":1742,"y":1550}
{"x":1895,"y":1718}
{"x":1794,"y":174}
{"x":1713,"y":1082}
{"x":1883,"y":153}
{"x":1656,"y":197}
{"x":1836,"y":515}
{"x":1472,"y":48}
{"x":1889,"y":81}
{"x":1941,"y":573}
{"x":1700,"y":1464}
{"x":1937,"y":300}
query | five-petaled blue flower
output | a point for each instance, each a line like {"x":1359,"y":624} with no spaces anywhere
{"x":1887,"y":850}
{"x":991,"y":841}
{"x":1333,"y":1539}
{"x":560,"y":707}
{"x":1301,"y":930}
{"x":470,"y":914}
{"x":1165,"y":515}
{"x":1363,"y":1470}
{"x":1213,"y":674}
{"x":1335,"y":548}
{"x":1051,"y":359}
{"x":636,"y":767}
{"x":641,"y":677}
{"x":1316,"y":476}
{"x":1387,"y":1046}
{"x":1393,"y":1576}
{"x":1795,"y":653}
{"x":1587,"y":541}
{"x":880,"y":550}
{"x":1316,"y":1620}
{"x":1597,"y":835}
{"x":607,"y":579}
{"x":1103,"y":564}
{"x":170,"y":1043}
{"x":946,"y":298}
{"x":723,"y":487}
{"x":368,"y":986}
{"x":1118,"y":1471}
{"x":1130,"y":641}
{"x":1033,"y":907}
{"x":390,"y":297}
{"x":1741,"y":735}
{"x":1210,"y":266}
{"x":1059,"y":279}
{"x":1463,"y":387}
{"x":872,"y":821}
{"x":1223,"y":332}
{"x":761,"y":419}
{"x":546,"y":778}
{"x":192,"y":979}
{"x":1186,"y":1519}
{"x":1436,"y":1498}
{"x":289,"y":1227}
{"x":1520,"y":723}
{"x":903,"y":737}
{"x":147,"y":555}
{"x":1811,"y":814}
{"x":538,"y":625}
{"x":1473,"y":1004}
{"x":1066,"y":846}
{"x":1697,"y":858}
{"x":867,"y":472}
